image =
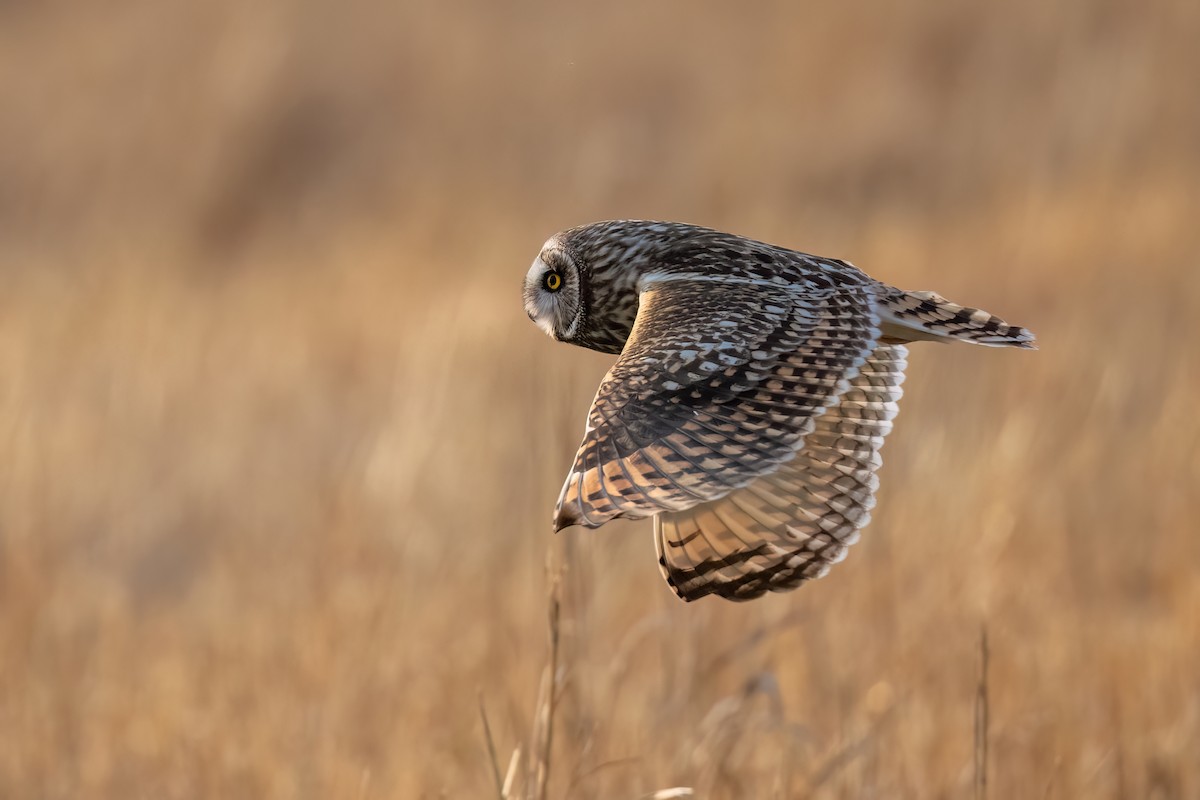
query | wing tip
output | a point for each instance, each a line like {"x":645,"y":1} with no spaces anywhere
{"x":565,"y":517}
{"x":570,"y":515}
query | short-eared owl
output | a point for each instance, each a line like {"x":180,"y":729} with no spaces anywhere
{"x":750,"y":400}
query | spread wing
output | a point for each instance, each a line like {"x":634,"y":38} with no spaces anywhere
{"x":793,"y":524}
{"x":719,"y":383}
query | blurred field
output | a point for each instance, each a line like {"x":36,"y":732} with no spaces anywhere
{"x":280,"y":447}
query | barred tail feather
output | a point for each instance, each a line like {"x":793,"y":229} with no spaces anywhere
{"x":926,"y":316}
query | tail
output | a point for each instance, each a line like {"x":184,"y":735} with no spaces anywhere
{"x":925,"y":316}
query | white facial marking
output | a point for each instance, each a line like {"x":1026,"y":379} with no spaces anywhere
{"x":540,"y":304}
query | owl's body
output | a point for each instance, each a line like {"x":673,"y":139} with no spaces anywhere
{"x":753,"y":390}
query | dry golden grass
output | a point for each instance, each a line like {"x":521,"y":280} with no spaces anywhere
{"x":280,"y":448}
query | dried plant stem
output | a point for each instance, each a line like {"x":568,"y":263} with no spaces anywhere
{"x":549,"y":698}
{"x":981,"y":718}
{"x":511,"y":775}
{"x":491,"y":749}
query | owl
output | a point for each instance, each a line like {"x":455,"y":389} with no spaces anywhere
{"x":753,"y":389}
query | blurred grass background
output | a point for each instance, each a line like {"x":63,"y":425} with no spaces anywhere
{"x":280,"y":447}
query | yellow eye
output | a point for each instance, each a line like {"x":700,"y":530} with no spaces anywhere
{"x":552,"y":282}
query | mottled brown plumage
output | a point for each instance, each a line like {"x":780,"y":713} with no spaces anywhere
{"x":749,"y":402}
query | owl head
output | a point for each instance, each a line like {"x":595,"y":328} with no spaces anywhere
{"x":582,"y":287}
{"x":554,"y":292}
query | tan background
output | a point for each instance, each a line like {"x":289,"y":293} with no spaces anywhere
{"x":280,"y":447}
